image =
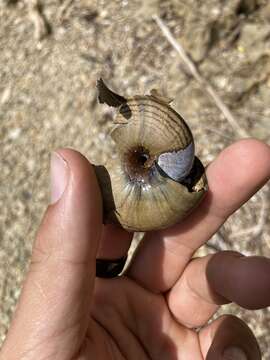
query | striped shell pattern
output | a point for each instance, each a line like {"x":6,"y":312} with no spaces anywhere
{"x":155,"y":180}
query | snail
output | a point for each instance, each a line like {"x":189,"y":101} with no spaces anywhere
{"x":155,"y":180}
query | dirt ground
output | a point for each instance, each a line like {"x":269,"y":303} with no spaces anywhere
{"x":48,"y":69}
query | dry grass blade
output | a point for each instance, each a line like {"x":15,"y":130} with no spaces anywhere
{"x":195,"y":73}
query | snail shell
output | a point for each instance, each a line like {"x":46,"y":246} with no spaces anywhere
{"x":155,"y":179}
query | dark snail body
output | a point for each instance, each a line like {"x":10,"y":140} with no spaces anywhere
{"x":155,"y":180}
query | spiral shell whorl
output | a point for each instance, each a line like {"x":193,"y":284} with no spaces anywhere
{"x":155,"y":157}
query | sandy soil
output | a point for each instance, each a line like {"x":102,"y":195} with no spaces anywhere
{"x":48,"y":72}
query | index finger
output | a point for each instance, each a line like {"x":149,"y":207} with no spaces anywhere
{"x":237,"y":173}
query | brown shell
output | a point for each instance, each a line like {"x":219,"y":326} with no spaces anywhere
{"x":137,"y":193}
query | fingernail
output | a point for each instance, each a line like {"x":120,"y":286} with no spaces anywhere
{"x":59,"y":176}
{"x":234,"y":353}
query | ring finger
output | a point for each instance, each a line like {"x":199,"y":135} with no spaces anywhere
{"x":213,"y":280}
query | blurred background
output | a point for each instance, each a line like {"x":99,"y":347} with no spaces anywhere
{"x":51,"y":54}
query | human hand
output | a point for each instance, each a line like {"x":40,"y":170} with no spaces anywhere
{"x":65,"y":313}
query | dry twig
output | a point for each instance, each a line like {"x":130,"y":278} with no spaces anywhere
{"x":195,"y":73}
{"x":36,"y":16}
{"x":258,"y":228}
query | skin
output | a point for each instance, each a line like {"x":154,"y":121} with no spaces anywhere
{"x":65,"y":313}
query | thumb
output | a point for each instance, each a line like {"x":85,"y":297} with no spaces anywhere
{"x":53,"y":310}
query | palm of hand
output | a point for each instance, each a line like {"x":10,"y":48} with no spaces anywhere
{"x":135,"y":323}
